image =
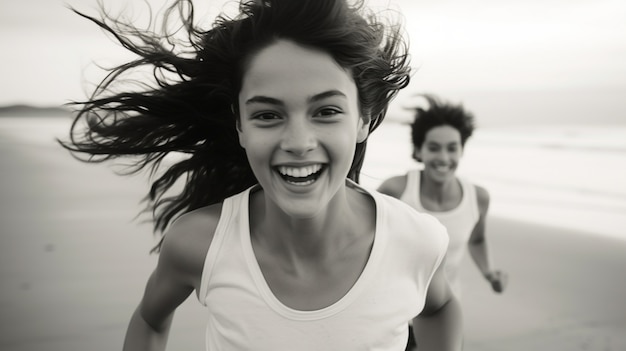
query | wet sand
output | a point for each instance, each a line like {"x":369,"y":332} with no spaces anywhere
{"x":74,"y":261}
{"x":567,"y":291}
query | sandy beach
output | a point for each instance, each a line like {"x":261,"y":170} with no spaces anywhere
{"x":74,"y":260}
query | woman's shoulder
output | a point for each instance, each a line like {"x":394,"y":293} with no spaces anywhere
{"x":393,"y":186}
{"x":195,"y":227}
{"x":482,"y":198}
{"x":187,"y":241}
{"x":481,"y":193}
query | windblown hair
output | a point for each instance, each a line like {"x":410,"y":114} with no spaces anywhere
{"x":189,"y":104}
{"x":438,"y":114}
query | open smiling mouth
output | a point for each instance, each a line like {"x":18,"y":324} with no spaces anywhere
{"x":301,"y":176}
{"x":442,"y":168}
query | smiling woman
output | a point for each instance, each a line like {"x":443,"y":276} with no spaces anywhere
{"x":271,"y":230}
{"x":308,"y":128}
{"x":439,"y":133}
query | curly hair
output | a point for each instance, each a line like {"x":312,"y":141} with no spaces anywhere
{"x":437,"y":114}
{"x":188,"y":104}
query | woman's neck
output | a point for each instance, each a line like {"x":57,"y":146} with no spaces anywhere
{"x":440,"y":192}
{"x":319,"y":237}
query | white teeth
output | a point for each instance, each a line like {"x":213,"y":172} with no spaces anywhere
{"x":299,"y":172}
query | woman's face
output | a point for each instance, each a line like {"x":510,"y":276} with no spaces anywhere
{"x":299,"y":123}
{"x":440,"y":153}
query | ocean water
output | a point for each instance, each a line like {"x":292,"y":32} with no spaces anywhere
{"x":570,"y":176}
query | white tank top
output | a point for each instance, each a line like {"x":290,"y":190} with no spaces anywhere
{"x":244,"y":314}
{"x":459,"y":221}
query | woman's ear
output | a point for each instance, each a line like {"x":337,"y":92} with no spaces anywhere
{"x":235,"y":112}
{"x":240,"y":136}
{"x":363,"y":129}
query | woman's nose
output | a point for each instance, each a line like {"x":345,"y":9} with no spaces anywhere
{"x":443,"y":156}
{"x":298,"y":137}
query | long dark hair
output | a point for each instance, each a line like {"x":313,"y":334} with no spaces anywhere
{"x":189,"y":104}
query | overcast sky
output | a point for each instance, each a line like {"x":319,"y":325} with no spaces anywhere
{"x":497,"y":45}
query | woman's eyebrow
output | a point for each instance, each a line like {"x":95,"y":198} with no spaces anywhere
{"x":274,"y":101}
{"x":326,"y":94}
{"x":264,"y":100}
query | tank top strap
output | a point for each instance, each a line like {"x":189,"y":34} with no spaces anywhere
{"x":229,"y":210}
{"x":469,"y":196}
{"x":413,"y":179}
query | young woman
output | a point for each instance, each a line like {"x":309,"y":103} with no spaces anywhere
{"x":439,"y":134}
{"x":271,"y":232}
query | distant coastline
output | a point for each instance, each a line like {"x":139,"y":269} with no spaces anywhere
{"x":23,"y":110}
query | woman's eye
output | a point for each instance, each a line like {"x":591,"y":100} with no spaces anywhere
{"x":453,"y":149}
{"x":328,"y":112}
{"x":266,"y":116}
